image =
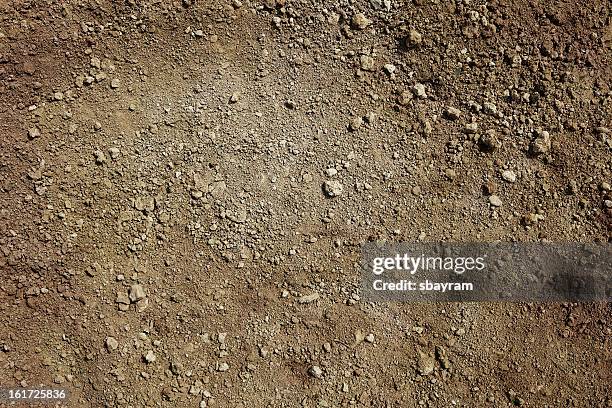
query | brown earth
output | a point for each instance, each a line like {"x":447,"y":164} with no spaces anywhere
{"x":185,"y":147}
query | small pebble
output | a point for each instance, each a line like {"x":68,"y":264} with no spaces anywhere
{"x":509,"y":176}
{"x":332,"y":188}
{"x":495,"y":201}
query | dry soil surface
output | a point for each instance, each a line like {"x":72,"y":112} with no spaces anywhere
{"x":185,"y":187}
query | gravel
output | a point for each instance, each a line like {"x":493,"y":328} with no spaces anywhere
{"x":332,"y":188}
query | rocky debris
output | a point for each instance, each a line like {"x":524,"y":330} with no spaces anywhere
{"x":111,"y":343}
{"x":381,"y":4}
{"x":114,"y":153}
{"x":100,"y":157}
{"x":419,"y":91}
{"x":366,"y":63}
{"x":509,"y":176}
{"x":489,"y":142}
{"x":452,"y":113}
{"x":470,"y":128}
{"x":264,"y":102}
{"x":123,"y":301}
{"x":149,"y":357}
{"x":136,"y":293}
{"x":142,"y":203}
{"x":426,"y":363}
{"x":442,"y":357}
{"x":360,"y":22}
{"x":541,"y":144}
{"x":34,"y":133}
{"x":390,"y":69}
{"x":495,"y":201}
{"x":309,"y":298}
{"x":315,"y":371}
{"x":332,"y":188}
{"x":355,"y":123}
{"x":414,"y":38}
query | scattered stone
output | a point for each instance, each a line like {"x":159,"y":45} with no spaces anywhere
{"x":509,"y":176}
{"x":541,"y":144}
{"x":114,"y":83}
{"x":95,"y":62}
{"x":419,"y":91}
{"x":442,"y":357}
{"x":217,"y":189}
{"x":309,"y":298}
{"x":515,"y":399}
{"x":381,"y":4}
{"x":426,"y":363}
{"x":489,"y":187}
{"x":137,"y":293}
{"x":495,"y":201}
{"x":100,"y":157}
{"x":111,"y":343}
{"x":122,"y":298}
{"x":532,"y":218}
{"x":470,"y":128}
{"x":114,"y":152}
{"x":235,"y":97}
{"x":452,"y":113}
{"x":176,"y":367}
{"x":34,"y":133}
{"x":414,"y":38}
{"x":355,"y":123}
{"x":367,"y":63}
{"x":489,"y":142}
{"x":150,"y":357}
{"x":405,"y":98}
{"x":144,"y":203}
{"x":360,"y":22}
{"x":315,"y":371}
{"x":332,"y":188}
{"x":390,"y":68}
{"x":331,"y":172}
{"x":370,"y":338}
{"x":223,"y":367}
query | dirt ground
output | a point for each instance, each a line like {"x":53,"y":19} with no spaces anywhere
{"x":185,"y":188}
